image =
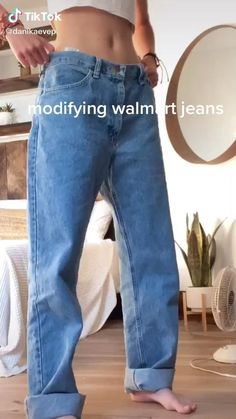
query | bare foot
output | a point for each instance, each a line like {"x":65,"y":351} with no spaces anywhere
{"x":167,"y":398}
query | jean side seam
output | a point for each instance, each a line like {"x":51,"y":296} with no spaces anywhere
{"x":134,"y":381}
{"x":137,"y":314}
{"x":36,"y":252}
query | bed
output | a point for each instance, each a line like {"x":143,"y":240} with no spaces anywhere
{"x":97,"y":287}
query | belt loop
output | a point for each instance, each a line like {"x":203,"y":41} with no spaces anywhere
{"x":97,"y":68}
{"x":141,"y":73}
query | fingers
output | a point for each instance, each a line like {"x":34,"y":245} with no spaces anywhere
{"x":154,"y":79}
{"x":40,"y":52}
{"x":44,"y":55}
{"x":33,"y":57}
{"x":36,"y":54}
{"x":21,"y":58}
{"x":38,"y":57}
{"x":30,"y":50}
{"x":153,"y":76}
{"x":151,"y":71}
{"x":48,"y":47}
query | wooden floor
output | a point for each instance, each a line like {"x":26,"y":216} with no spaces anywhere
{"x":99,"y":368}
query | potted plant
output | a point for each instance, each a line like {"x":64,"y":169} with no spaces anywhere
{"x":6,"y":114}
{"x":200,"y":258}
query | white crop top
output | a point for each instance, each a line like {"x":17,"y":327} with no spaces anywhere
{"x":122,"y":8}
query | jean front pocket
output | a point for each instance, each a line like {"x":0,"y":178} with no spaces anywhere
{"x":65,"y":76}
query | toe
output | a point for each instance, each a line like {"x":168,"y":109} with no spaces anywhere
{"x":189,"y":408}
{"x":194,"y":406}
{"x":180,"y":408}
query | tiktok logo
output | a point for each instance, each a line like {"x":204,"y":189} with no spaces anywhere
{"x":15,"y":15}
{"x":33,"y":16}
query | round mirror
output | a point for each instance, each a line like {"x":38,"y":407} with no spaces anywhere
{"x":201,"y":99}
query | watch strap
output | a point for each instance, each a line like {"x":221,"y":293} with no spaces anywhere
{"x":154,"y":55}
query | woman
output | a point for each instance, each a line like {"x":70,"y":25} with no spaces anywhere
{"x":69,"y":160}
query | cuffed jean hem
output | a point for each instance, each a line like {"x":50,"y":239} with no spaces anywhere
{"x":51,"y":406}
{"x":148,"y":379}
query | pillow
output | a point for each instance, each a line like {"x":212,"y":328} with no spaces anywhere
{"x":13,"y":224}
{"x":99,"y":222}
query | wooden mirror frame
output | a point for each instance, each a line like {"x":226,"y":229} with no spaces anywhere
{"x":172,"y":122}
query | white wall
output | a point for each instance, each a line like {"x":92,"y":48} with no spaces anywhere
{"x":208,"y":189}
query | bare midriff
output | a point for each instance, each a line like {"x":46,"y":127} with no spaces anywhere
{"x":96,"y":32}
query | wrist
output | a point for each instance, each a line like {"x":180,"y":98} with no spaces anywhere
{"x":6,"y":26}
{"x":154,"y":56}
{"x":12,"y":30}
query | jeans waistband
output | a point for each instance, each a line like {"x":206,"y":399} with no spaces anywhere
{"x":96,"y":64}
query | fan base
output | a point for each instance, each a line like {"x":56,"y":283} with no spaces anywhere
{"x":226,"y":354}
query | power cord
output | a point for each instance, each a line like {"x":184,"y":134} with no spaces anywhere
{"x":207,"y":370}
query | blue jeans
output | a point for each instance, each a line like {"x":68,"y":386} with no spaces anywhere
{"x":69,"y":160}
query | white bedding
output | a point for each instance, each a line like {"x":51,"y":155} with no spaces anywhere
{"x":98,"y":284}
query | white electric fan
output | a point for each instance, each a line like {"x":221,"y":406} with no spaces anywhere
{"x":224,"y":311}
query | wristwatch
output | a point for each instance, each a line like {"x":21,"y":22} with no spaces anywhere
{"x":153,"y":54}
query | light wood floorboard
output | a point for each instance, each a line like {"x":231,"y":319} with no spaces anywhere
{"x":99,"y":369}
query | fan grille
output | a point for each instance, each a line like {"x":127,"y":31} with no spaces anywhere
{"x":223,"y":300}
